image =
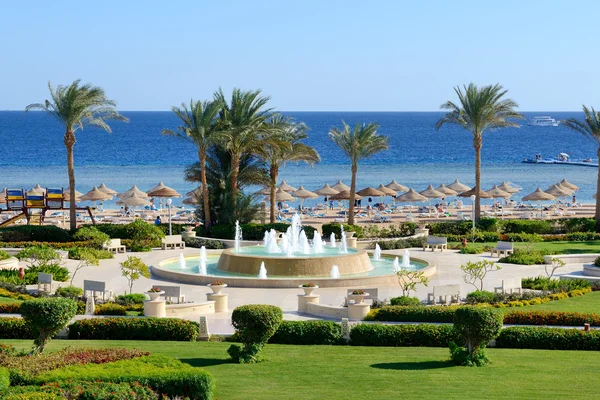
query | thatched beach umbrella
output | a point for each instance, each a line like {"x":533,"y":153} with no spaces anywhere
{"x":67,"y":195}
{"x":411,"y":197}
{"x":386,"y":191}
{"x":286,"y":188}
{"x":458,"y":187}
{"x":304,"y":194}
{"x":472,"y":192}
{"x":345,"y":195}
{"x":538,"y":195}
{"x":133,"y":201}
{"x":134,"y":190}
{"x":95,"y":195}
{"x":340,"y":187}
{"x":190,"y":201}
{"x":281,"y":195}
{"x":106,"y":190}
{"x":3,"y":196}
{"x":497,"y":193}
{"x":559,"y":190}
{"x":326,"y":191}
{"x":265,"y":191}
{"x":569,"y":185}
{"x":370,"y":191}
{"x":446,"y":190}
{"x":165,"y":192}
{"x":396,"y":186}
{"x":195,"y":193}
{"x":508,"y":188}
{"x":431,"y":193}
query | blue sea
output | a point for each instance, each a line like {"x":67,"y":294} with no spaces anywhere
{"x":137,"y":153}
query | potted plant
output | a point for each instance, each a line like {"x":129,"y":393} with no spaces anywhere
{"x":217,"y":286}
{"x":308,"y":288}
{"x":358,"y":296}
{"x":189,"y":229}
{"x":154,"y":293}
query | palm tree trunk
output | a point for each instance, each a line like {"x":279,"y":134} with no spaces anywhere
{"x":235,"y":171}
{"x":597,"y":215}
{"x":273,"y":172}
{"x":352,"y":195}
{"x":477,"y":141}
{"x":69,"y":141}
{"x":205,"y":199}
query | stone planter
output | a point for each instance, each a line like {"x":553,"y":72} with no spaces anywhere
{"x":217,"y":288}
{"x":188,"y":232}
{"x":350,"y":234}
{"x":421,"y":232}
{"x":308,"y":289}
{"x":155,"y":295}
{"x":358,"y":298}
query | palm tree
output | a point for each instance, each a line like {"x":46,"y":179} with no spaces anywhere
{"x":199,"y":126}
{"x":285,"y":144}
{"x":480,"y":109}
{"x":359,"y":143}
{"x":76,"y":106}
{"x":243,"y":120}
{"x":590,"y":127}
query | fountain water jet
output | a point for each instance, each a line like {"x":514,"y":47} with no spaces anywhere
{"x":332,"y":240}
{"x":262,"y":274}
{"x":270,"y":242}
{"x":182,"y":261}
{"x":238,"y":236}
{"x":203,"y":259}
{"x":303,"y":241}
{"x":335,"y":272}
{"x":317,"y":243}
{"x":396,"y":267}
{"x":343,"y":243}
{"x":377,"y":252}
{"x":406,"y":259}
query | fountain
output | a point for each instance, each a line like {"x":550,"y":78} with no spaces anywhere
{"x":343,"y":243}
{"x":406,"y":259}
{"x":396,"y":266}
{"x":332,"y":240}
{"x":203,"y":259}
{"x":262,"y":274}
{"x":317,"y":243}
{"x":377,"y":252}
{"x":238,"y":236}
{"x":182,"y":261}
{"x":270,"y":242}
{"x":335,"y":272}
{"x":304,"y":246}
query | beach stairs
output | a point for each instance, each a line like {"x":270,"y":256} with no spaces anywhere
{"x":12,"y":220}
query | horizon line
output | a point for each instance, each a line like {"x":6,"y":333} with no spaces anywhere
{"x":330,"y":111}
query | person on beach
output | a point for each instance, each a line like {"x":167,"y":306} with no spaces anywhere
{"x":157,"y":221}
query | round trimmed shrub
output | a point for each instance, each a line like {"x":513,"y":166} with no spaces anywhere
{"x":47,"y":316}
{"x":92,"y":235}
{"x":476,"y":327}
{"x":482,"y":296}
{"x":405,"y":301}
{"x":255,"y":324}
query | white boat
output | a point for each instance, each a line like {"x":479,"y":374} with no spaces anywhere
{"x":543,"y":121}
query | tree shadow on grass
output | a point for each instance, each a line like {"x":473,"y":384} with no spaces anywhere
{"x":205,"y":362}
{"x":415,"y":366}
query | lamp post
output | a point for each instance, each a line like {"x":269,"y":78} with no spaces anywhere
{"x":473,"y":211}
{"x":169,"y":202}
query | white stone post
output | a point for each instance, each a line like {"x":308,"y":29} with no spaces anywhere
{"x":90,"y":306}
{"x":345,"y":329}
{"x":204,"y":333}
{"x":304,"y":299}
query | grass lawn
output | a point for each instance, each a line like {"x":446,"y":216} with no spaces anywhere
{"x":8,"y":300}
{"x":588,"y":303}
{"x":592,"y":246}
{"x":338,"y":372}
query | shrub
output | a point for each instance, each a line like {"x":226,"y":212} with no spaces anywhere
{"x":34,"y":233}
{"x":143,"y":235}
{"x":163,"y":374}
{"x":525,"y":257}
{"x":39,"y":256}
{"x":555,"y":318}
{"x":15,"y":328}
{"x":10,"y":308}
{"x":92,"y":235}
{"x":475,"y":327}
{"x":47,"y":316}
{"x":597,"y":262}
{"x":482,"y":296}
{"x":11,"y":276}
{"x":75,"y":253}
{"x":255,"y":324}
{"x":4,"y":255}
{"x":307,"y":333}
{"x":402,"y":335}
{"x":400,"y":243}
{"x":548,"y":338}
{"x":336,"y":228}
{"x":14,"y":295}
{"x":54,"y":245}
{"x":4,"y":379}
{"x":82,"y":391}
{"x":469,"y":249}
{"x":412,"y":314}
{"x":474,"y":273}
{"x":405,"y":301}
{"x":134,"y":329}
{"x":554,"y":285}
{"x":130,"y":299}
{"x":450,"y":228}
{"x":110,"y":309}
{"x":199,"y":242}
{"x":527,"y":226}
{"x":71,"y":292}
{"x":570,"y":225}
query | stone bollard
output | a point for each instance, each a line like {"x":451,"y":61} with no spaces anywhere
{"x":204,"y":334}
{"x":358,"y":312}
{"x":586,"y":327}
{"x":220,"y":299}
{"x":345,"y":329}
{"x":155,"y":308}
{"x":90,"y":306}
{"x":304,"y":299}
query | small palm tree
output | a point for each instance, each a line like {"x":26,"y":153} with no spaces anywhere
{"x":76,"y":106}
{"x":243,"y":120}
{"x":285,"y":144}
{"x":359,"y":143}
{"x":479,"y":110}
{"x":199,"y":126}
{"x":590,"y":127}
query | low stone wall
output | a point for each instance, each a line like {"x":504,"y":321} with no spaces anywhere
{"x":573,"y":258}
{"x":9,"y":263}
{"x":181,"y":310}
{"x":322,"y":310}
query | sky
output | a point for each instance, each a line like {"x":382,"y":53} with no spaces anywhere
{"x":323,"y":55}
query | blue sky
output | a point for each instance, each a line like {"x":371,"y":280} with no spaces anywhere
{"x":307,"y":55}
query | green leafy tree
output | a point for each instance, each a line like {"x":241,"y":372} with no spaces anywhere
{"x":474,"y":273}
{"x":76,"y":106}
{"x":254,"y":324}
{"x":476,"y":327}
{"x":47,"y":316}
{"x":357,"y":144}
{"x":479,"y":110}
{"x":199,"y":126}
{"x":92,"y":235}
{"x":285,"y":145}
{"x":143,"y":235}
{"x":590,"y":127}
{"x":133,"y":269}
{"x":555,"y":263}
{"x":87,"y":258}
{"x":408,"y":280}
{"x":39,"y":256}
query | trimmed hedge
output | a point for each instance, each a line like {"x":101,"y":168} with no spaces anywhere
{"x":197,"y":242}
{"x":81,"y":390}
{"x":548,"y":339}
{"x":34,"y":233}
{"x":134,"y":329}
{"x":10,"y":308}
{"x":402,"y":335}
{"x":328,"y":229}
{"x":163,"y":374}
{"x":4,"y":379}
{"x":15,"y":328}
{"x":307,"y":333}
{"x":551,"y":318}
{"x":412,"y":314}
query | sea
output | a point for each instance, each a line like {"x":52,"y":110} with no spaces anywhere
{"x":137,"y":153}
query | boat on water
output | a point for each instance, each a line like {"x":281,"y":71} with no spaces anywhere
{"x":543,"y":121}
{"x":561,"y":158}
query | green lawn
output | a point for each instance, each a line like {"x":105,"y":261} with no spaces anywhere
{"x":345,"y":372}
{"x":592,"y":246}
{"x":8,"y":300}
{"x":588,"y":303}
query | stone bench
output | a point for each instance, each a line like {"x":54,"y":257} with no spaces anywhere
{"x":44,"y":282}
{"x":172,"y":292}
{"x":114,"y":246}
{"x":172,"y":242}
{"x":96,"y":287}
{"x":439,"y":292}
{"x":502,"y":248}
{"x":436,"y":242}
{"x":509,"y":286}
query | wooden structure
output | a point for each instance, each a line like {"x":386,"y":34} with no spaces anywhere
{"x":33,"y":205}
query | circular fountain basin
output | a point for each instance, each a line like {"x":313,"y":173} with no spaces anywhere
{"x":248,"y":260}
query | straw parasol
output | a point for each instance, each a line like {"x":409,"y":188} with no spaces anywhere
{"x":458,"y":187}
{"x":134,"y":190}
{"x":508,"y":188}
{"x":497,"y":193}
{"x":411,"y":197}
{"x":396,"y":186}
{"x":133,"y":201}
{"x":303,"y":194}
{"x":340,"y":187}
{"x":190,"y":201}
{"x":326,"y":191}
{"x":106,"y":190}
{"x":67,"y":195}
{"x":3,"y":195}
{"x":281,"y":195}
{"x":431,"y":193}
{"x":569,"y":185}
{"x":446,"y":190}
{"x":286,"y":188}
{"x":387,"y":191}
{"x":265,"y":191}
{"x":95,"y":195}
{"x":165,"y":192}
{"x":472,"y":192}
{"x":538,"y":195}
{"x":195,"y":193}
{"x":345,"y":195}
{"x":38,"y":189}
{"x":370,"y":191}
{"x":559,"y":190}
